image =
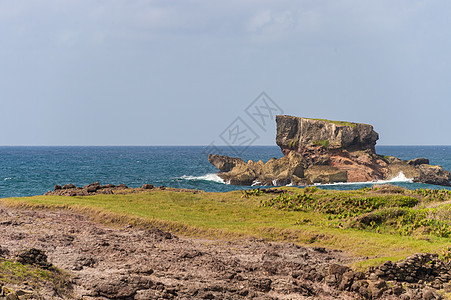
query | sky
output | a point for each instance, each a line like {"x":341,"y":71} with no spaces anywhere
{"x":183,"y":72}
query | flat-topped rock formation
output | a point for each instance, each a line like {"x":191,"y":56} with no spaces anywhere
{"x":294,"y":133}
{"x":323,"y":151}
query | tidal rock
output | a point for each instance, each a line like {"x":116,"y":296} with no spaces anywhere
{"x":224,"y":163}
{"x":276,"y":171}
{"x":409,"y":170}
{"x":433,"y":175}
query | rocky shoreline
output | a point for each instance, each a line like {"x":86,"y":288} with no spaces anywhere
{"x":323,"y":151}
{"x":108,"y":189}
{"x":132,"y":263}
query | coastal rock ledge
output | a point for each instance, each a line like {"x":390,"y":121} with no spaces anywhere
{"x":323,"y":151}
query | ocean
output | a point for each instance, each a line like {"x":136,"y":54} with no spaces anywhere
{"x":27,"y":171}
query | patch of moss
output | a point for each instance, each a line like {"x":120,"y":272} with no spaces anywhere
{"x":323,"y":143}
{"x":385,"y":158}
{"x":341,"y":123}
{"x":292,"y":144}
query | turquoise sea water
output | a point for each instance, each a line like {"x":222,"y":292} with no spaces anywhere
{"x":26,"y":171}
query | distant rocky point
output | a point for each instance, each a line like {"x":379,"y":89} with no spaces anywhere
{"x":109,"y":189}
{"x":323,"y":151}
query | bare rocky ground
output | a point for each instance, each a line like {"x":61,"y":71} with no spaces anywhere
{"x":130,"y":263}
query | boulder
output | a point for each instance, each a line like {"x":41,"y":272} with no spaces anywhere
{"x":402,"y":167}
{"x":325,"y":174}
{"x":418,"y":161}
{"x":279,"y":171}
{"x":391,"y":159}
{"x":433,"y":175}
{"x":224,"y":163}
{"x":34,"y":256}
{"x":240,"y":175}
{"x":69,"y":186}
{"x":92,"y":188}
{"x":107,"y":186}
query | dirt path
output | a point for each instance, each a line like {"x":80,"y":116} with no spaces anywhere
{"x":128,"y":263}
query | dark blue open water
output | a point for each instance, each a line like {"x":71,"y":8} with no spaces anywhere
{"x":26,"y":171}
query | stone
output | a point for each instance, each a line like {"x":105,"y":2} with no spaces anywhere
{"x":430,"y":295}
{"x":433,"y":175}
{"x":418,"y":161}
{"x":346,"y":281}
{"x":365,"y":292}
{"x":122,"y":287}
{"x":325,"y":174}
{"x":69,"y":186}
{"x":57,"y":187}
{"x":410,"y":171}
{"x":224,"y":163}
{"x":261,"y":284}
{"x":12,"y":296}
{"x":4,"y":251}
{"x":148,"y":186}
{"x":34,"y":256}
{"x":92,"y":189}
{"x":377,"y":288}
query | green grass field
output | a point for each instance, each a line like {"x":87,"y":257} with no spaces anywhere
{"x":374,"y":225}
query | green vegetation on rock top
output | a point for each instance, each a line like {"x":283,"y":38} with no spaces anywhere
{"x":341,"y":123}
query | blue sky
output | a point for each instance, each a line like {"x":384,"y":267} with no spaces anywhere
{"x":179,"y":72}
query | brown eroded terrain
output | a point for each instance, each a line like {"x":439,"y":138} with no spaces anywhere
{"x":129,"y":263}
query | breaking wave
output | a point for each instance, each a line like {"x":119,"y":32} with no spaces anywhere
{"x":399,"y":178}
{"x":208,"y":177}
{"x":7,"y":178}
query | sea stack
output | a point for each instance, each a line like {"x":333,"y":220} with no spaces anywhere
{"x":323,"y":151}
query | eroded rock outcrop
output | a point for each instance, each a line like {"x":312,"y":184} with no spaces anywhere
{"x":322,"y":151}
{"x":280,"y":171}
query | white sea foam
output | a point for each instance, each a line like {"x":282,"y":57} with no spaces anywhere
{"x":7,"y":178}
{"x":209,"y":177}
{"x":399,"y":178}
{"x":256,"y":182}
